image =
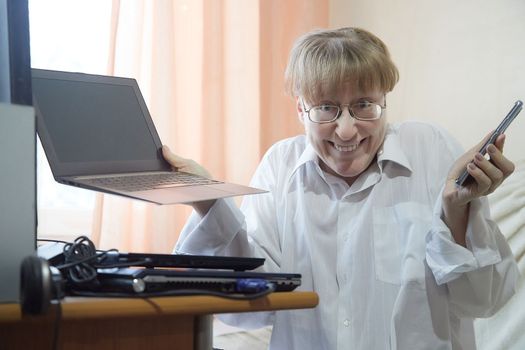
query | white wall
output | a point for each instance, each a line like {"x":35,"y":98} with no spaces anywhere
{"x":461,"y":62}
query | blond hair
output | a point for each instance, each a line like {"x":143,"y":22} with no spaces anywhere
{"x":323,"y":61}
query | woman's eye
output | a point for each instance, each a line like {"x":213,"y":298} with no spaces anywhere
{"x":326,"y":108}
{"x":363,"y":105}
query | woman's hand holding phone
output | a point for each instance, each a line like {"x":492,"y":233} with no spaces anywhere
{"x":513,"y":113}
{"x":485,"y":175}
{"x":473,"y":176}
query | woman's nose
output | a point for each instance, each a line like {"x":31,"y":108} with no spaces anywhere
{"x":345,"y":125}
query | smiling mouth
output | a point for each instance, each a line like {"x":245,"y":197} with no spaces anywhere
{"x":345,"y":148}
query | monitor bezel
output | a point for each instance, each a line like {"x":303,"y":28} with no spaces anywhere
{"x":15,"y":54}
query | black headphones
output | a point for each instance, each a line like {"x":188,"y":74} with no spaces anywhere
{"x":43,"y":281}
{"x":40,"y":283}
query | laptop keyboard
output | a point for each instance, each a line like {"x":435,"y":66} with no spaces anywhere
{"x":144,"y":182}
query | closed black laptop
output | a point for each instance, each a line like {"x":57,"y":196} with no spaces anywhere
{"x":53,"y":252}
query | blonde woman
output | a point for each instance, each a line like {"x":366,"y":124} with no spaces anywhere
{"x":368,"y":213}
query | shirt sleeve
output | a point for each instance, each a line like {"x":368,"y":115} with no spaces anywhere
{"x":250,"y":231}
{"x":483,"y":276}
{"x":209,"y":235}
{"x":447,"y":259}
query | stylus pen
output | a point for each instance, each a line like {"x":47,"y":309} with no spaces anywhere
{"x":518,"y":105}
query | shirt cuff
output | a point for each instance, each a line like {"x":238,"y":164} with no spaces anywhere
{"x":210,"y":234}
{"x":447,"y":259}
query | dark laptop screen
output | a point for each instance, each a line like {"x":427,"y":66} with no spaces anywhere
{"x":92,"y":124}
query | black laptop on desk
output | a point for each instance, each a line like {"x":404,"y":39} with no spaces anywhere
{"x":53,"y":252}
{"x":97,"y":134}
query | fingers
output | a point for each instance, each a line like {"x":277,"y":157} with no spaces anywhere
{"x":172,"y":158}
{"x":184,"y":164}
{"x":500,"y":142}
{"x":498,"y":159}
{"x":466,"y":159}
{"x":489,"y":174}
{"x":482,"y":142}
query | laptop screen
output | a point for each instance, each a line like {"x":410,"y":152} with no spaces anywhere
{"x":91,"y":124}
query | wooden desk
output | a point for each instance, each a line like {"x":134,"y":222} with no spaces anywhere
{"x":155,"y":323}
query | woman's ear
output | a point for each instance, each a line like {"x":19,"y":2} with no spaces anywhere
{"x":299,"y":108}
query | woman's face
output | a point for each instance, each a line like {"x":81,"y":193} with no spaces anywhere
{"x":347,"y":146}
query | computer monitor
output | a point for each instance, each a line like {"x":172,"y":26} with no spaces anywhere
{"x":17,"y":151}
{"x":15,"y":57}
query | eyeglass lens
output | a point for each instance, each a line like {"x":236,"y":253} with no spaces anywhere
{"x":364,"y":111}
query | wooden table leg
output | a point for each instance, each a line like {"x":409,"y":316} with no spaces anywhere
{"x":203,"y":332}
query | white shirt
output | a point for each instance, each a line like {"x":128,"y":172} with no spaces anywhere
{"x":386,"y":268}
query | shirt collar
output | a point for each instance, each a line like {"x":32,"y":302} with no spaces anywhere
{"x":391,"y":150}
{"x":308,"y":155}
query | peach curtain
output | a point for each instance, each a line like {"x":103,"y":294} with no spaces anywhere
{"x":211,"y":72}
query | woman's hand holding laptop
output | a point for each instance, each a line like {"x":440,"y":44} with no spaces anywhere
{"x":192,"y":167}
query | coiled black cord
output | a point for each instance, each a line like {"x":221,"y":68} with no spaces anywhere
{"x":79,"y":257}
{"x":80,"y":260}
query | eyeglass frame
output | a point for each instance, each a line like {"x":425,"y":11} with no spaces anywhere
{"x":340,"y":113}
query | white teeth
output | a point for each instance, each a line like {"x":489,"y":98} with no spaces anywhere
{"x":348,"y":148}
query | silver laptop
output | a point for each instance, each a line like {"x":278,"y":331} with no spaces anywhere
{"x":97,"y":134}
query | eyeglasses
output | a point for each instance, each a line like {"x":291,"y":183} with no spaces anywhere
{"x":327,"y":113}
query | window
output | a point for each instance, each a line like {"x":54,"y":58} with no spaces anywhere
{"x":70,"y":35}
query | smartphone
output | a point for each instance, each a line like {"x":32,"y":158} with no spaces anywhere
{"x":516,"y":109}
